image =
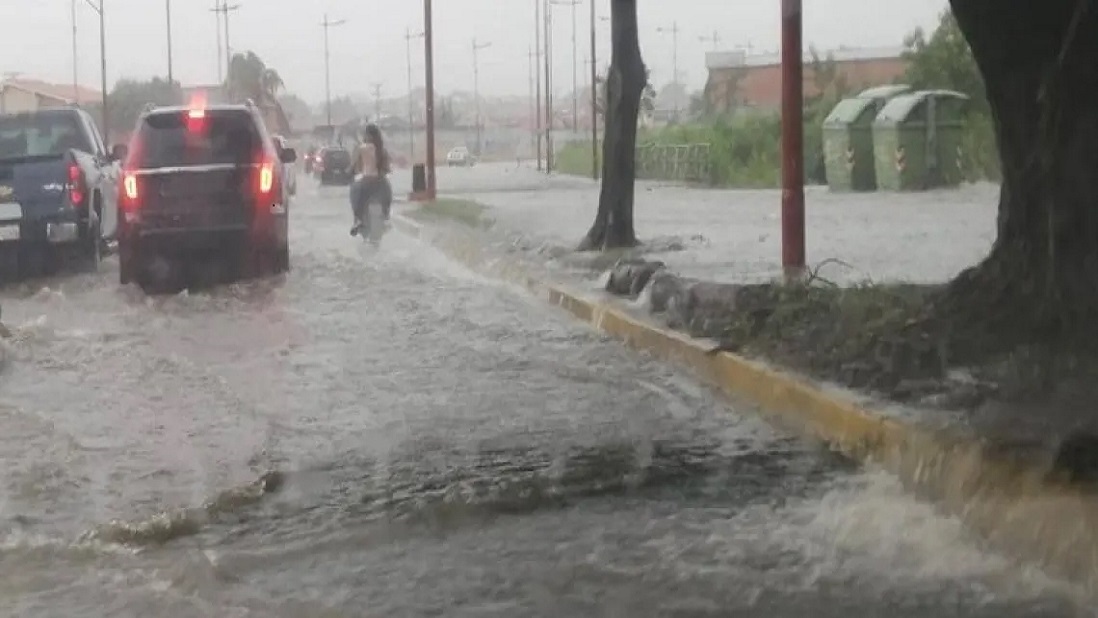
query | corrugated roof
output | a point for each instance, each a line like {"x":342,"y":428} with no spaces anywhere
{"x":59,"y":92}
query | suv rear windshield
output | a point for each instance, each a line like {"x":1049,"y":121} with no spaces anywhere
{"x":337,"y":156}
{"x":40,"y":135}
{"x":174,"y":139}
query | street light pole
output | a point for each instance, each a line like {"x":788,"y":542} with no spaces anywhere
{"x":532,"y":69}
{"x":327,"y":24}
{"x":217,"y":30}
{"x":537,"y":77}
{"x":575,"y":56}
{"x":75,"y":63}
{"x":429,"y":79}
{"x":408,"y":36}
{"x":674,"y":30}
{"x":168,"y":15}
{"x":228,"y":50}
{"x":548,"y":87}
{"x":99,"y":8}
{"x":476,"y":86}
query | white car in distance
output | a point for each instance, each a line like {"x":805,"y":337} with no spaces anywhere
{"x":460,"y":155}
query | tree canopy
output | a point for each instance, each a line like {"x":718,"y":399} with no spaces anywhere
{"x":944,"y":60}
{"x":129,"y":97}
{"x":250,"y":78}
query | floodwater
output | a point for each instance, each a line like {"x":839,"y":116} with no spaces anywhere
{"x":387,"y":434}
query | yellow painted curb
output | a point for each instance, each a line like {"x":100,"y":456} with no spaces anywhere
{"x":1008,"y":502}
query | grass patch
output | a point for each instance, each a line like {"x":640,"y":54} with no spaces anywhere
{"x":574,"y":159}
{"x":466,"y":212}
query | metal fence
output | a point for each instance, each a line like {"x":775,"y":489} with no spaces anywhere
{"x":680,"y":162}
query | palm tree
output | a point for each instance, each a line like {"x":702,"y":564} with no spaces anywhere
{"x":249,"y":77}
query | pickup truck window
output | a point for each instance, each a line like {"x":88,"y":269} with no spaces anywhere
{"x":176,"y":140}
{"x":38,"y":135}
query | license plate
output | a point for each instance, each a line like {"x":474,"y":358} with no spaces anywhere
{"x":9,"y":232}
{"x":10,"y":211}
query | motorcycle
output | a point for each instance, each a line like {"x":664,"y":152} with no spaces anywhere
{"x":374,"y":222}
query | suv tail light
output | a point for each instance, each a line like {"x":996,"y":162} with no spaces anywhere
{"x":130,"y":192}
{"x":266,"y":178}
{"x":78,"y":187}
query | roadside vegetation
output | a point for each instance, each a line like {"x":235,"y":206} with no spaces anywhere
{"x":466,"y":212}
{"x":744,"y":143}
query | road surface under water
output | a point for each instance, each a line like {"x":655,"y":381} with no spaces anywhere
{"x":390,"y":435}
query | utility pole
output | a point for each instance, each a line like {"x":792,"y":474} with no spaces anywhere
{"x":575,"y":67}
{"x":793,"y":242}
{"x":594,"y":98}
{"x":575,"y":57}
{"x":328,"y":24}
{"x":377,"y":102}
{"x":548,"y":87}
{"x":476,"y":85}
{"x":714,"y":38}
{"x":99,"y":8}
{"x":674,"y":30}
{"x":168,"y":15}
{"x":75,"y":63}
{"x":429,"y":79}
{"x":217,"y":29}
{"x":408,"y":36}
{"x":532,"y":67}
{"x":537,"y":77}
{"x":228,"y":49}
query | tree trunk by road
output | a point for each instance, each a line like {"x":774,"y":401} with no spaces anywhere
{"x":1038,"y":59}
{"x":613,"y":227}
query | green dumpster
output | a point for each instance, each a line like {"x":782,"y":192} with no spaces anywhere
{"x":848,"y":139}
{"x":917,"y":141}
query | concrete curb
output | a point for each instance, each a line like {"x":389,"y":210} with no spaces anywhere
{"x":1009,"y":502}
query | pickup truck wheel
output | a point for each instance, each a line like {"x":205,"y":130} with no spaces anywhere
{"x":9,"y":265}
{"x":91,"y":250}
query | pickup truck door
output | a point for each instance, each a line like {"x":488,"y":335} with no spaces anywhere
{"x":107,"y":182}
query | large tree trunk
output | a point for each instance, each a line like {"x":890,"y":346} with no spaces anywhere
{"x":613,"y":227}
{"x":1039,"y":60}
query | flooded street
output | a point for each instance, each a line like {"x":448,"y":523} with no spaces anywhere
{"x":391,"y":435}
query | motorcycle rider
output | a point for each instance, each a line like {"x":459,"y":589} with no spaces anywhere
{"x":371,"y":166}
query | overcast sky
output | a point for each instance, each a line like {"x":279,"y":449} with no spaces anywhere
{"x":370,"y":47}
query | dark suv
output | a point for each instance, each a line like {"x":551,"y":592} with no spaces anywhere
{"x":335,"y":166}
{"x":203,"y":181}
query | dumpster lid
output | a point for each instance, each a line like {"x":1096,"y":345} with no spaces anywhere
{"x":884,"y":92}
{"x":847,"y":111}
{"x":899,"y":108}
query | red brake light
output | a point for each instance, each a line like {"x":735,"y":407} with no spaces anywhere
{"x":266,"y":177}
{"x":76,"y":184}
{"x":129,"y":185}
{"x":196,"y":114}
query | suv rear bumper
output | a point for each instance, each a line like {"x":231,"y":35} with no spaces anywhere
{"x":208,"y":238}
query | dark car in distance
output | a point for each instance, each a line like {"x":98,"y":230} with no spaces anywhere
{"x":335,"y":166}
{"x":201,"y":182}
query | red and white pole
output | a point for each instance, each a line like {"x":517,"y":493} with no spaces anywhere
{"x":793,"y":245}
